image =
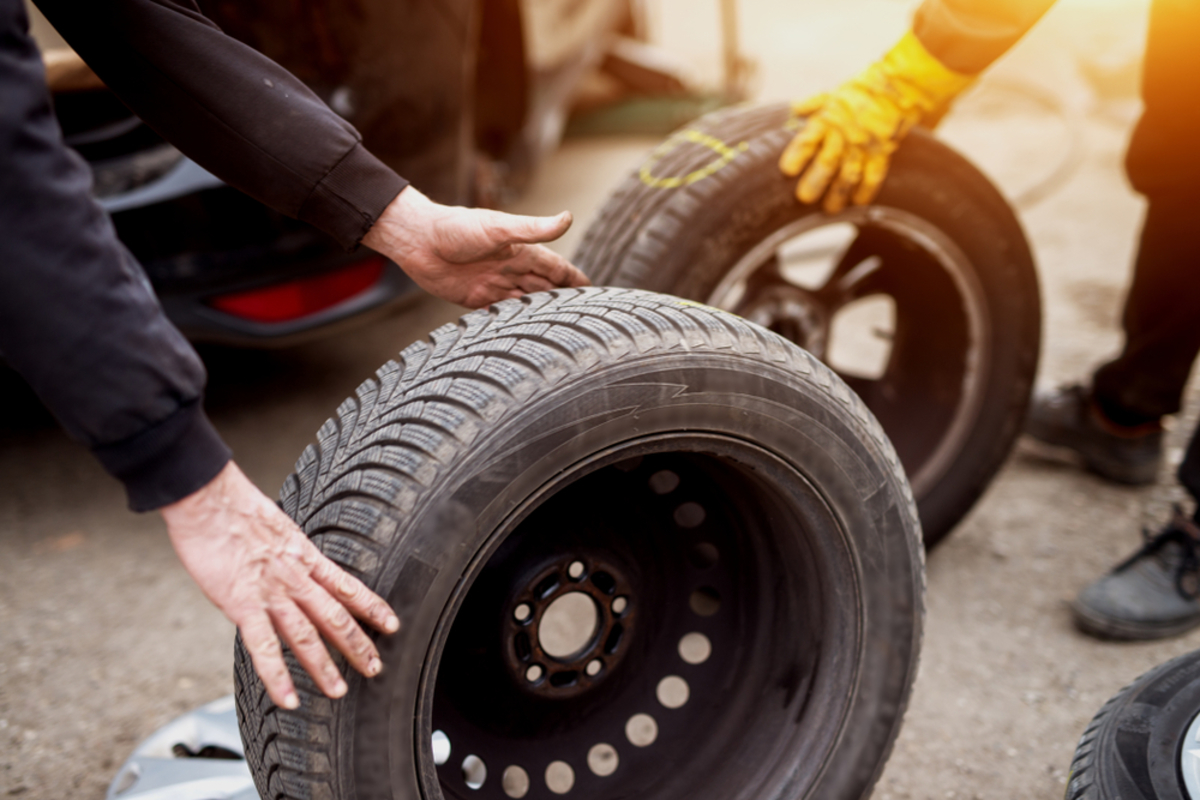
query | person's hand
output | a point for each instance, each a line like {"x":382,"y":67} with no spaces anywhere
{"x":844,"y":148}
{"x":255,"y":565}
{"x":472,"y":256}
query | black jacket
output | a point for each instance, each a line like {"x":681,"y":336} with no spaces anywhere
{"x":78,"y":318}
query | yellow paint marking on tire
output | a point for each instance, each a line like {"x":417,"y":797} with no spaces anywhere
{"x":724,"y":152}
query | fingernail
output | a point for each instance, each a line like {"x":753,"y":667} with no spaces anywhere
{"x":373,"y":667}
{"x":290,"y":701}
{"x":391,"y":624}
{"x":339,"y":689}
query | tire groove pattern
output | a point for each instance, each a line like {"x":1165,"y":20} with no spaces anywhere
{"x":352,"y":497}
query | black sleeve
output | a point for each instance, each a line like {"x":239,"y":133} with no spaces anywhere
{"x":232,"y":110}
{"x":968,"y":35}
{"x":78,"y":318}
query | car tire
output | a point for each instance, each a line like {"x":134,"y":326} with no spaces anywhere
{"x":709,"y":217}
{"x":736,"y":523}
{"x":1142,"y":745}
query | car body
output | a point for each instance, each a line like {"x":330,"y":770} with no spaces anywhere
{"x":462,"y":97}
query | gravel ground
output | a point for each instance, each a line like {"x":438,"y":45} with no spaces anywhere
{"x":103,"y":638}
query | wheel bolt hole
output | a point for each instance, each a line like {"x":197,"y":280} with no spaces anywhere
{"x":641,"y":730}
{"x":704,"y":555}
{"x":560,"y":777}
{"x":705,"y":601}
{"x":673,"y":691}
{"x":534,"y":673}
{"x":474,"y":772}
{"x":441,"y":747}
{"x":522,"y":612}
{"x":515,"y":782}
{"x":690,"y":515}
{"x":604,"y":582}
{"x":594,"y":666}
{"x":695,"y":648}
{"x":603,"y":760}
{"x":575,"y":570}
{"x":619,"y":605}
{"x":664,"y":482}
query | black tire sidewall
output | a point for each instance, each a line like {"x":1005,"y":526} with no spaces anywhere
{"x":814,"y":429}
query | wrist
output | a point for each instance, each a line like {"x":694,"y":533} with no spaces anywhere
{"x":919,"y":78}
{"x":401,"y":217}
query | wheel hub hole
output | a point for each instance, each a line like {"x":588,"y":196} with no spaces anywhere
{"x":603,"y":759}
{"x":705,"y":601}
{"x":641,"y":730}
{"x":441,"y":748}
{"x":673,"y":691}
{"x":568,"y":626}
{"x":474,"y":771}
{"x":560,"y":777}
{"x":690,"y":515}
{"x":515,"y":782}
{"x":664,"y":482}
{"x":695,"y":648}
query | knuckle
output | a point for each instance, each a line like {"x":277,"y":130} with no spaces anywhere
{"x":340,"y":621}
{"x":305,"y":639}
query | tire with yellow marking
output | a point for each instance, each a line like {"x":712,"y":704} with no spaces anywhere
{"x":953,"y":395}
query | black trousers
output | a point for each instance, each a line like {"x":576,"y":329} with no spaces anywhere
{"x":1162,"y":309}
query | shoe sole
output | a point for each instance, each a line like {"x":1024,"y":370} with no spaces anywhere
{"x":1105,"y":627}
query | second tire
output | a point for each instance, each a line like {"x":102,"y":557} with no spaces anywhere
{"x":925,"y":302}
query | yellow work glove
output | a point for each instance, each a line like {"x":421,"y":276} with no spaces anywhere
{"x":853,"y":131}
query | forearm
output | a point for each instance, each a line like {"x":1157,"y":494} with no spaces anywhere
{"x":968,"y":35}
{"x":77,"y":317}
{"x":231,"y":109}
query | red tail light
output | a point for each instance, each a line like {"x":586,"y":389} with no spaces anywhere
{"x":302,"y":297}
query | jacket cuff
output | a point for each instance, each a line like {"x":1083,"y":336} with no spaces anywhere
{"x":351,"y":196}
{"x":169,"y":461}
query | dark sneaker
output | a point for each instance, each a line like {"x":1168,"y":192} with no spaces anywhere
{"x":1067,"y":417}
{"x":1152,"y":594}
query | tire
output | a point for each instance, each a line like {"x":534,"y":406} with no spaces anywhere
{"x":709,"y":217}
{"x":699,"y":479}
{"x":1142,"y":743}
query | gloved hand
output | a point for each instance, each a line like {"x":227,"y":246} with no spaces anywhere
{"x":844,"y":147}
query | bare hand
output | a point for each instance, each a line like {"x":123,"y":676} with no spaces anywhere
{"x":255,"y":565}
{"x":472,"y":256}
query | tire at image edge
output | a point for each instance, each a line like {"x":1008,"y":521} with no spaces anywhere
{"x":1132,"y":748}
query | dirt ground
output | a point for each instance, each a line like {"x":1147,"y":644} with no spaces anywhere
{"x":103,"y":638}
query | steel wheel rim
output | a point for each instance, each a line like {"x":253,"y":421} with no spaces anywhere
{"x":972,"y":304}
{"x":823,"y":691}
